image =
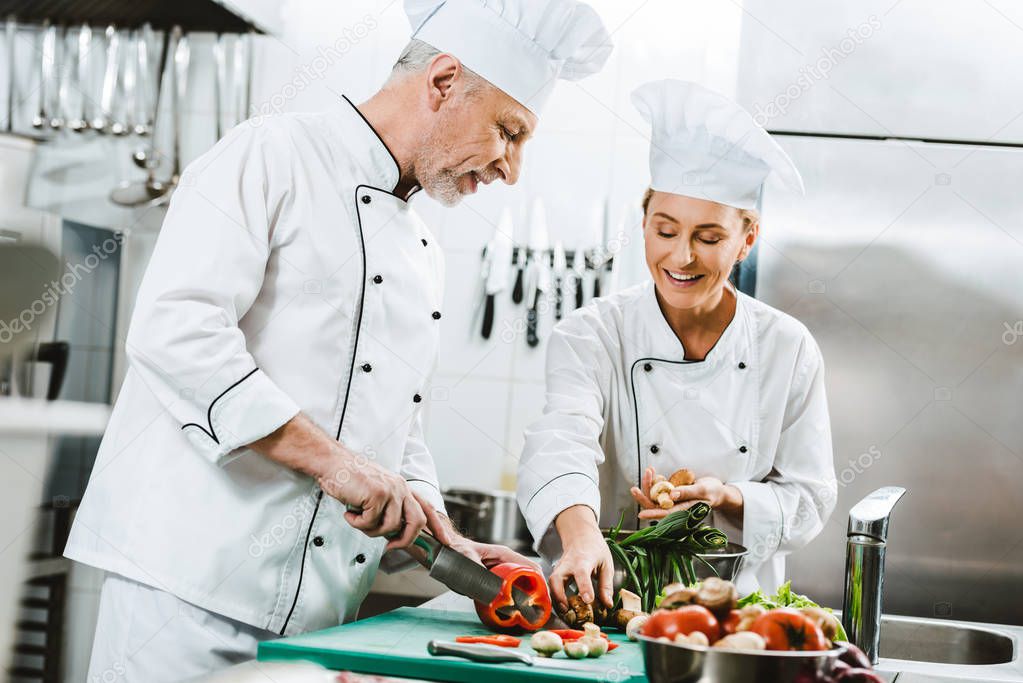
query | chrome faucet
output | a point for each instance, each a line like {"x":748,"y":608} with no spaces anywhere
{"x":864,"y":568}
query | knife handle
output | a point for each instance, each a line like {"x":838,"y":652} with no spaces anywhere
{"x":531,"y":337}
{"x":596,"y":285}
{"x":559,"y":299}
{"x":517,"y":289}
{"x":478,"y":652}
{"x":578,"y":291}
{"x":488,"y":316}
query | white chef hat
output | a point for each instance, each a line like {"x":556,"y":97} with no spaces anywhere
{"x":704,"y":145}
{"x":520,"y":46}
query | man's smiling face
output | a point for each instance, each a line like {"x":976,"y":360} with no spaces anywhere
{"x":475,"y":136}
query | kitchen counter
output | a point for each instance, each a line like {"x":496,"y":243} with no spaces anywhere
{"x":897,"y":670}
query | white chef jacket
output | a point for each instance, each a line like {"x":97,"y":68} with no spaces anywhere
{"x":620,"y":397}
{"x":287,"y":277}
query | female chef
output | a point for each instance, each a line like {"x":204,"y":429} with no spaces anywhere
{"x":683,"y":371}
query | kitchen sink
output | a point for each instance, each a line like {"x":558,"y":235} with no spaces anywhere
{"x":938,"y":643}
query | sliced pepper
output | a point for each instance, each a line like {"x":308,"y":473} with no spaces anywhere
{"x":501,"y":613}
{"x":499,"y":639}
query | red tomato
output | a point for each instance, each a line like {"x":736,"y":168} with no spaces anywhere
{"x":667,"y":623}
{"x":730,"y":623}
{"x":789,"y":629}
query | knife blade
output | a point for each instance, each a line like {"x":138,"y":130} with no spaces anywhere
{"x":493,"y":654}
{"x":499,"y":252}
{"x":539,"y":271}
{"x":462,"y":575}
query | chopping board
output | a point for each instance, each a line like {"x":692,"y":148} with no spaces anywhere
{"x":394,"y":644}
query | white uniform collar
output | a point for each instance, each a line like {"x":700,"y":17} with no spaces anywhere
{"x":663,"y":342}
{"x":365,"y":146}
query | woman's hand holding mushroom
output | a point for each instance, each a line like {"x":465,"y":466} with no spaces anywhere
{"x":660,"y":496}
{"x":585,"y":556}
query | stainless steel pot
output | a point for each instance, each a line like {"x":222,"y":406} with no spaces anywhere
{"x":679,"y":663}
{"x":489,"y":517}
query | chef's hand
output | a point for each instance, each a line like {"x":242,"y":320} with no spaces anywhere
{"x":486,"y":554}
{"x":713,"y":491}
{"x":585,"y":555}
{"x":380,"y":502}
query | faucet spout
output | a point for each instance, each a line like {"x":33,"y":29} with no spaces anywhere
{"x":866,"y":542}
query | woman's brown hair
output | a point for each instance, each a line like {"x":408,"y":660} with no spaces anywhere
{"x":749,"y":216}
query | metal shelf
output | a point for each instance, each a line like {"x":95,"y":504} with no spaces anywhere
{"x":191,"y":15}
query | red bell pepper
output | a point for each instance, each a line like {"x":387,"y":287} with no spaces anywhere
{"x":529,"y":581}
{"x":498,"y":639}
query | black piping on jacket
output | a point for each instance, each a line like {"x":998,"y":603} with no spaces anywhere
{"x":348,"y":391}
{"x":209,"y":411}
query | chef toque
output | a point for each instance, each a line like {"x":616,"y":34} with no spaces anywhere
{"x":706,"y":146}
{"x":520,"y":46}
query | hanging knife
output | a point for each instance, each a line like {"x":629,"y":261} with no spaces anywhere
{"x":538,"y":275}
{"x":499,"y":253}
{"x":578,"y":273}
{"x":605,"y":233}
{"x":560,"y":267}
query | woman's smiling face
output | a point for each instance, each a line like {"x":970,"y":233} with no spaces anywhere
{"x":692,"y":245}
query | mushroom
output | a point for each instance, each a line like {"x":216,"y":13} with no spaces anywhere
{"x":678,"y":597}
{"x":749,"y":614}
{"x":827,"y":621}
{"x":694,"y":638}
{"x":660,"y":493}
{"x":546,"y":643}
{"x":578,"y":613}
{"x":577,"y":649}
{"x":744,"y":640}
{"x":717,"y":595}
{"x":682,"y":477}
{"x":635,"y":625}
{"x":596,"y":645}
{"x":632,"y":606}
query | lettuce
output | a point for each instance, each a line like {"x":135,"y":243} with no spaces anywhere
{"x":785,"y":597}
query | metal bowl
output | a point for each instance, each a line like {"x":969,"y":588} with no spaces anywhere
{"x":726,"y":562}
{"x":680,"y":663}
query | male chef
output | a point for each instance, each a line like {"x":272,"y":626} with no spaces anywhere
{"x":282,"y":343}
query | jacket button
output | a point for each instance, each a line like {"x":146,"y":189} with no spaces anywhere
{"x":366,"y":367}
{"x":742,"y":366}
{"x":436,"y":315}
{"x":318,"y":541}
{"x":360,"y":558}
{"x":743,"y":449}
{"x":378,"y":279}
{"x":647,"y":367}
{"x":366,"y":199}
{"x":417,"y":398}
{"x":424,"y":242}
{"x":655,"y":448}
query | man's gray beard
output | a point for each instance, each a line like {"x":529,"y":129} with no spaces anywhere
{"x":440,"y":184}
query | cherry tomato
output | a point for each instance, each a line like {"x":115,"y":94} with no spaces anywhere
{"x":789,"y":629}
{"x":685,"y":620}
{"x":499,"y":639}
{"x":730,"y":623}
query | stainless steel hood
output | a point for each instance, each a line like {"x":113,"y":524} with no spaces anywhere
{"x":191,"y":15}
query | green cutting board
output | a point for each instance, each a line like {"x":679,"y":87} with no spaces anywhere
{"x":394,"y":644}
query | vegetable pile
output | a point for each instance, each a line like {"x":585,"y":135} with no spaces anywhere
{"x":709,"y":614}
{"x":667,"y":550}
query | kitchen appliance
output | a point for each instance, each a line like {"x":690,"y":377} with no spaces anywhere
{"x":682,"y":663}
{"x":488,"y":517}
{"x":396,"y":644}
